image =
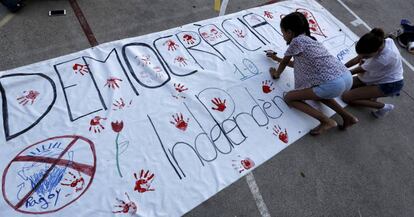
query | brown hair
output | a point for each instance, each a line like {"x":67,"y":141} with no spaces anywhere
{"x":370,"y":42}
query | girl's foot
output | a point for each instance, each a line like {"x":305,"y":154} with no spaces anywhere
{"x":348,"y":122}
{"x":324,"y":126}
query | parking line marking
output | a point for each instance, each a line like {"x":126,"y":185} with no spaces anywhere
{"x":264,"y":212}
{"x":369,"y":28}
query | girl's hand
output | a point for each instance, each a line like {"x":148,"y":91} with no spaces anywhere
{"x":271,"y":54}
{"x":274,"y":73}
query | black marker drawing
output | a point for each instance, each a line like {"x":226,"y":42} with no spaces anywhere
{"x":74,"y":83}
{"x":241,"y":34}
{"x":145,"y":65}
{"x":9,"y":135}
{"x":262,"y":28}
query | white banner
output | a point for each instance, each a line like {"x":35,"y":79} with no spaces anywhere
{"x":153,"y":125}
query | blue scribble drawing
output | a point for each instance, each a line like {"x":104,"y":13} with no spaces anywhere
{"x":342,"y":54}
{"x":31,"y":173}
{"x":48,"y":184}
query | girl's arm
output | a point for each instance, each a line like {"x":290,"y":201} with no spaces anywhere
{"x":283,"y":63}
{"x":353,"y":61}
{"x":273,"y":56}
{"x":357,"y":70}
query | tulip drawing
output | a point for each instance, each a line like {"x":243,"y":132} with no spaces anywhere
{"x":117,"y":128}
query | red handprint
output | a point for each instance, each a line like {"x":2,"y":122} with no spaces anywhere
{"x":143,"y":184}
{"x":82,"y":69}
{"x":268,"y":14}
{"x":171,"y":45}
{"x":96,"y":125}
{"x":29,"y":96}
{"x":179,"y":122}
{"x":181,"y":60}
{"x":205,"y":35}
{"x":189,"y":39}
{"x":267,"y":86}
{"x":180,"y":87}
{"x":76,"y":182}
{"x":221,"y":105}
{"x":239,"y":33}
{"x":112,"y":82}
{"x":120,"y":104}
{"x":129,"y":207}
{"x":215,"y":33}
{"x":243,"y":164}
{"x":313,"y":25}
{"x":283,"y":136}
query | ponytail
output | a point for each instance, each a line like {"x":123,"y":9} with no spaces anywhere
{"x":370,"y":42}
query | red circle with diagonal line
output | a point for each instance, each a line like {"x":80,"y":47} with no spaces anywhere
{"x":51,"y":176}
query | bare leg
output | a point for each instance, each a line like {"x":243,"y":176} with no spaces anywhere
{"x":348,"y":118}
{"x":295,"y":99}
{"x":362,"y":96}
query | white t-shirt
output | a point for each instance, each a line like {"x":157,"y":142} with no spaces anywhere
{"x":385,"y":67}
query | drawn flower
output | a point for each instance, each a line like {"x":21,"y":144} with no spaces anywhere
{"x":117,"y":126}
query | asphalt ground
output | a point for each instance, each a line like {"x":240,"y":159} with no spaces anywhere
{"x":365,"y":171}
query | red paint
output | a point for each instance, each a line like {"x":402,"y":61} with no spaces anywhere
{"x":179,"y":122}
{"x":179,"y":87}
{"x":83,"y":168}
{"x":112,"y":82}
{"x":120,"y":104}
{"x":189,"y":39}
{"x":313,"y":25}
{"x":96,"y":125}
{"x":283,"y":136}
{"x":74,"y":181}
{"x":247,"y":163}
{"x":243,"y":164}
{"x":126,"y":207}
{"x":181,"y":60}
{"x":239,"y":33}
{"x":117,"y":126}
{"x":268,"y":14}
{"x":81,"y":69}
{"x":143,"y":184}
{"x":29,"y":96}
{"x":267,"y":86}
{"x":56,"y":161}
{"x":171,"y":45}
{"x":221,"y":105}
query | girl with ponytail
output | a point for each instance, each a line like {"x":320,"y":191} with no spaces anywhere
{"x":318,"y":75}
{"x":379,"y":73}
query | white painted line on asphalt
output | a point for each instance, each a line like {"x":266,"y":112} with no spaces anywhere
{"x":369,"y":28}
{"x":264,"y":212}
{"x":356,"y":22}
{"x":223,"y":7}
{"x":6,"y":19}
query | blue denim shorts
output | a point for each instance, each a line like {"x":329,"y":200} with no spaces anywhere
{"x":391,"y":89}
{"x":334,"y":88}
